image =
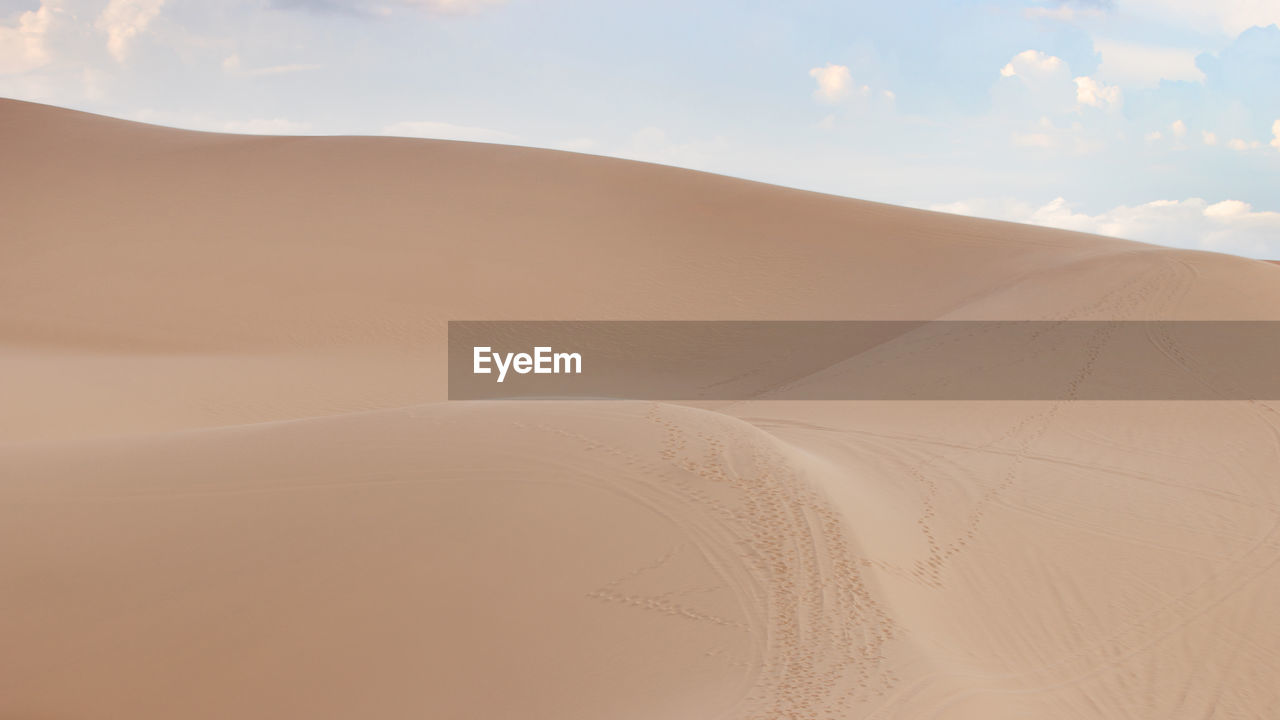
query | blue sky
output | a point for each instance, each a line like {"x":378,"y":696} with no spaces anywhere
{"x":1157,"y":120}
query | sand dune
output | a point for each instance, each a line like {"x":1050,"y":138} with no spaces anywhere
{"x":230,"y":485}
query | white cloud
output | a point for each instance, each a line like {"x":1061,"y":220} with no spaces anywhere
{"x":448,"y":131}
{"x":22,"y":46}
{"x":1145,"y":65}
{"x":95,"y":83}
{"x":1048,"y":135}
{"x":231,"y":64}
{"x":651,"y":144}
{"x":834,"y":82}
{"x":1228,"y":209}
{"x":123,"y":20}
{"x":1229,"y":226}
{"x":1033,"y":140}
{"x":580,"y":145}
{"x":1177,"y":131}
{"x":209,"y":123}
{"x":1034,"y":81}
{"x":1242,"y":145}
{"x":1228,"y":16}
{"x":1095,"y":94}
{"x":1030,"y":64}
{"x":1275,"y":132}
{"x":453,"y":6}
{"x":1209,"y":138}
{"x":282,"y":69}
{"x":1047,"y":79}
{"x":1065,"y":12}
{"x":388,"y":7}
{"x":267,"y":126}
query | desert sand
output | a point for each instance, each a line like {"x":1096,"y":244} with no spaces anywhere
{"x":231,"y":485}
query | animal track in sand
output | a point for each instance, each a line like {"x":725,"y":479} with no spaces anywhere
{"x":821,"y":635}
{"x":1123,"y":301}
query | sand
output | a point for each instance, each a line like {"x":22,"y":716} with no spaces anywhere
{"x":231,"y":486}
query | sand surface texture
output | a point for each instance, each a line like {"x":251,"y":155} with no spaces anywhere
{"x":230,"y":486}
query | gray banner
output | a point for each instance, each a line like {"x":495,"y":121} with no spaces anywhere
{"x":865,"y":360}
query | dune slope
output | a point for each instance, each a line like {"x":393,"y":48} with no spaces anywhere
{"x":230,"y":485}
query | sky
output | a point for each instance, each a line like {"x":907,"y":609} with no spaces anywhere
{"x":1154,"y":120}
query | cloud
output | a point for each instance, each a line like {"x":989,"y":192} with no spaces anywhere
{"x":1153,"y":136}
{"x":1048,"y":80}
{"x":1248,"y":66}
{"x":1227,"y":16}
{"x":1069,"y":11}
{"x":371,"y":7}
{"x":95,"y":83}
{"x":22,"y":46}
{"x":1275,"y":133}
{"x":232,"y":65}
{"x":1035,"y":83}
{"x":1209,"y":138}
{"x":1231,"y":226}
{"x":1178,"y":128}
{"x":1242,"y":145}
{"x":1031,"y":64}
{"x":1095,"y":94}
{"x":1073,"y":137}
{"x":267,"y":126}
{"x":453,"y":6}
{"x":1138,"y":65}
{"x":448,"y":131}
{"x":579,"y":145}
{"x":321,"y":6}
{"x":834,"y":83}
{"x":123,"y":20}
{"x":210,"y":123}
{"x":651,"y":144}
{"x":1033,"y":140}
